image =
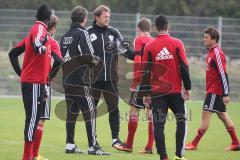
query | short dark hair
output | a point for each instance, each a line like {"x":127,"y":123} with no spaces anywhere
{"x":144,"y":24}
{"x":213,"y":33}
{"x":44,"y":13}
{"x":98,"y":11}
{"x":53,"y":22}
{"x":161,"y":23}
{"x":78,"y":14}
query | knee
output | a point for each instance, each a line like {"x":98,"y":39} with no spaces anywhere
{"x":133,"y":111}
{"x":115,"y":111}
{"x":221,"y":116}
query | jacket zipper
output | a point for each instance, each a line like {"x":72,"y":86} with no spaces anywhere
{"x":104,"y":60}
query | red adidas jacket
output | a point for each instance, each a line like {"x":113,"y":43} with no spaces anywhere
{"x":216,"y":72}
{"x":165,"y":66}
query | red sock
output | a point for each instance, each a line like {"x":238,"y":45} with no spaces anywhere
{"x":37,"y":139}
{"x":28,"y":147}
{"x":150,"y":135}
{"x":199,"y":135}
{"x":132,"y":127}
{"x":232,"y":132}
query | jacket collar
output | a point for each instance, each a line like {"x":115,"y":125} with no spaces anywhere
{"x":40,"y":22}
{"x":77,"y":25}
{"x":98,"y":27}
{"x":162,"y":34}
{"x":212,"y":47}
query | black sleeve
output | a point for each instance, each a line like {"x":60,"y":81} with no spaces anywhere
{"x":13,"y":56}
{"x":184,"y":72}
{"x":56,"y":65}
{"x":129,"y":54}
{"x":145,"y":86}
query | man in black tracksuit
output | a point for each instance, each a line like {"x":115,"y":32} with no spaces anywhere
{"x":79,"y":61}
{"x":108,"y":43}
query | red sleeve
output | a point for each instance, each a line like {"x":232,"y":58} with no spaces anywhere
{"x":137,"y":45}
{"x":55,"y":48}
{"x":183,"y":65}
{"x":221,"y":67}
{"x":182,"y":52}
{"x":38,"y":37}
{"x":146,"y":68}
{"x":21,"y":43}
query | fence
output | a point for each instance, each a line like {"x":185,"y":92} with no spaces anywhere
{"x":16,"y":23}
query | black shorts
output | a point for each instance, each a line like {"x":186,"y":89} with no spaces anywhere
{"x":33,"y":95}
{"x":136,"y":100}
{"x":214,"y":103}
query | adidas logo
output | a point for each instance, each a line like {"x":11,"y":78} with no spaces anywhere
{"x":67,"y":57}
{"x":164,"y":54}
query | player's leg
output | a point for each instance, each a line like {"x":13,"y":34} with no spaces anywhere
{"x":32,"y":104}
{"x":177,"y":105}
{"x":235,"y":145}
{"x":159,"y":111}
{"x":205,"y":121}
{"x":44,"y":115}
{"x":87,"y":106}
{"x":228,"y":123}
{"x":110,"y":93}
{"x":132,"y":127}
{"x":149,"y":146}
{"x":72,"y":113}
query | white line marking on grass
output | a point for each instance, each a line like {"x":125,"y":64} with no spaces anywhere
{"x":16,"y":142}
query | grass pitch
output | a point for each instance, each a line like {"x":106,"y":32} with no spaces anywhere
{"x":53,"y":144}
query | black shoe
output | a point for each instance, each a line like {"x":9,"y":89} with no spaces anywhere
{"x":97,"y":150}
{"x":75,"y":150}
{"x":118,"y":144}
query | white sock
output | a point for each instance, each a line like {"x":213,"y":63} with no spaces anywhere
{"x":90,"y":148}
{"x":114,"y":140}
{"x":70,"y":146}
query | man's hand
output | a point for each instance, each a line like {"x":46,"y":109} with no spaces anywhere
{"x":186,"y":94}
{"x":226,"y":100}
{"x":147,"y":101}
{"x":42,"y":49}
{"x":96,"y":60}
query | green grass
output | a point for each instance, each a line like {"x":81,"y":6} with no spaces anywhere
{"x":53,"y":144}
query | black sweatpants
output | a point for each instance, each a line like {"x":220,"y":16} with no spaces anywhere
{"x":33,"y":95}
{"x":160,"y":105}
{"x":110,"y":93}
{"x":85,"y":103}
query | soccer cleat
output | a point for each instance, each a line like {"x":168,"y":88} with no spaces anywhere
{"x":125,"y":148}
{"x":118,"y":144}
{"x":39,"y":157}
{"x":190,"y":146}
{"x":177,"y":158}
{"x":233,"y":147}
{"x":166,"y":158}
{"x":97,"y":150}
{"x":146,"y":151}
{"x":75,"y":150}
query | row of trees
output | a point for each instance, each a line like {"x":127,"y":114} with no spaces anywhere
{"x":225,"y":8}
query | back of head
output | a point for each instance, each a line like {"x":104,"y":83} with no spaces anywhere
{"x":53,"y":22}
{"x":44,"y":13}
{"x":161,"y":23}
{"x":78,"y":14}
{"x":144,"y":24}
{"x":213,"y":33}
{"x":98,"y":11}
